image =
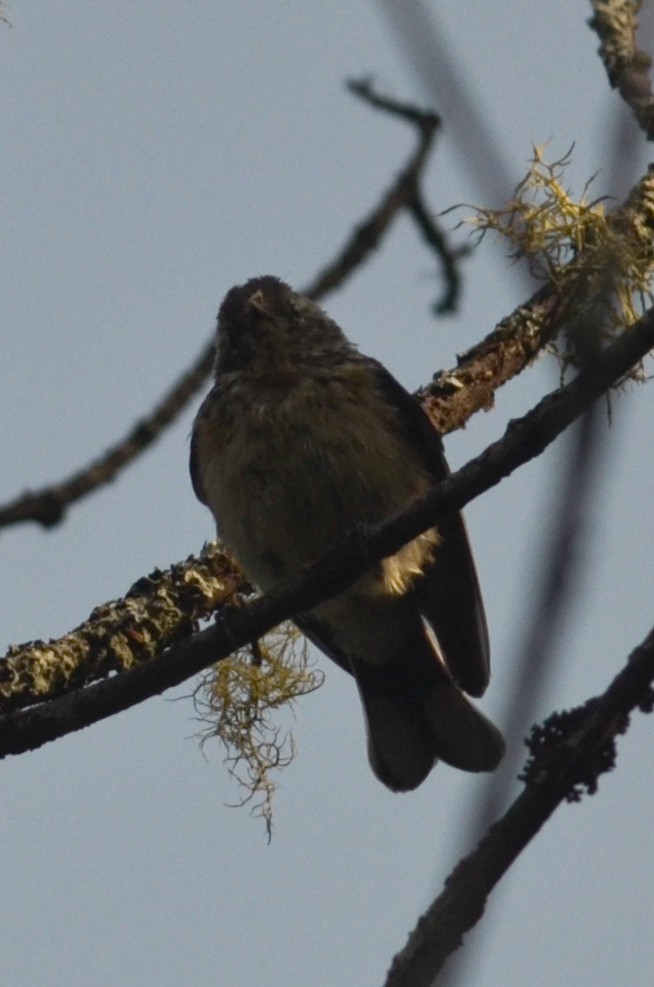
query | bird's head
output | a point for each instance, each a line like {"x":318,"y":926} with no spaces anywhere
{"x":265,"y":321}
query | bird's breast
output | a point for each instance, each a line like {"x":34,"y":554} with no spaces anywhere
{"x":286,"y":470}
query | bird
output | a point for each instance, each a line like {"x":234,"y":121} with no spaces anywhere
{"x":303,"y":438}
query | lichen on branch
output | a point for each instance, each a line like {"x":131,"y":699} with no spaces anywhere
{"x":606,"y":257}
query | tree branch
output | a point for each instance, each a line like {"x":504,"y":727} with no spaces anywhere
{"x":455,"y":395}
{"x":627,"y":66}
{"x":157,"y":611}
{"x":435,"y":238}
{"x":523,"y":440}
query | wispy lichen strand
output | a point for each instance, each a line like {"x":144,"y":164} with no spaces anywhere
{"x":239,"y":701}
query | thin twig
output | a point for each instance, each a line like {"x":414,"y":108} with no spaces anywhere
{"x":367,"y":235}
{"x":448,"y":257}
{"x":424,"y":120}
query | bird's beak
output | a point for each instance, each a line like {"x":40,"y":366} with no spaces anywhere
{"x":257,"y":302}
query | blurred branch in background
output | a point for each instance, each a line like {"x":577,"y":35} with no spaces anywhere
{"x":445,"y":83}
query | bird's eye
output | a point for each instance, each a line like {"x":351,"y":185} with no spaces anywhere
{"x":300,"y":307}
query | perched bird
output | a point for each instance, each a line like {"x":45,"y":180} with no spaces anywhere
{"x":301,"y":438}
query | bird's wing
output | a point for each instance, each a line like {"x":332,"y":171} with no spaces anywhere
{"x":194,"y":458}
{"x":319,"y":633}
{"x":448,"y":593}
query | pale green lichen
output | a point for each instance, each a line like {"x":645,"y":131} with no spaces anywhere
{"x":156,"y":612}
{"x":604,"y":261}
{"x":239,"y":701}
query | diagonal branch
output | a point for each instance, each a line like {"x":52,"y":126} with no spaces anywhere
{"x":48,"y":506}
{"x":523,"y":440}
{"x":569,"y":753}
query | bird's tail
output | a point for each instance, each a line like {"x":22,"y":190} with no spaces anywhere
{"x":412,"y":724}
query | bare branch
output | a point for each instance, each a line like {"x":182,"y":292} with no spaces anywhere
{"x":435,"y":238}
{"x":425,"y":120}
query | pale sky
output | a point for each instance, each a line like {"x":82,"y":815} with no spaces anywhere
{"x":153,"y":155}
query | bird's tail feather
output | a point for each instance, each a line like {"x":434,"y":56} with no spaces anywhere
{"x":463,"y":736}
{"x":401,"y":749}
{"x":407,"y":734}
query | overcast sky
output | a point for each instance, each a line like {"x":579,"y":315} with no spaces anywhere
{"x":152,"y":155}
